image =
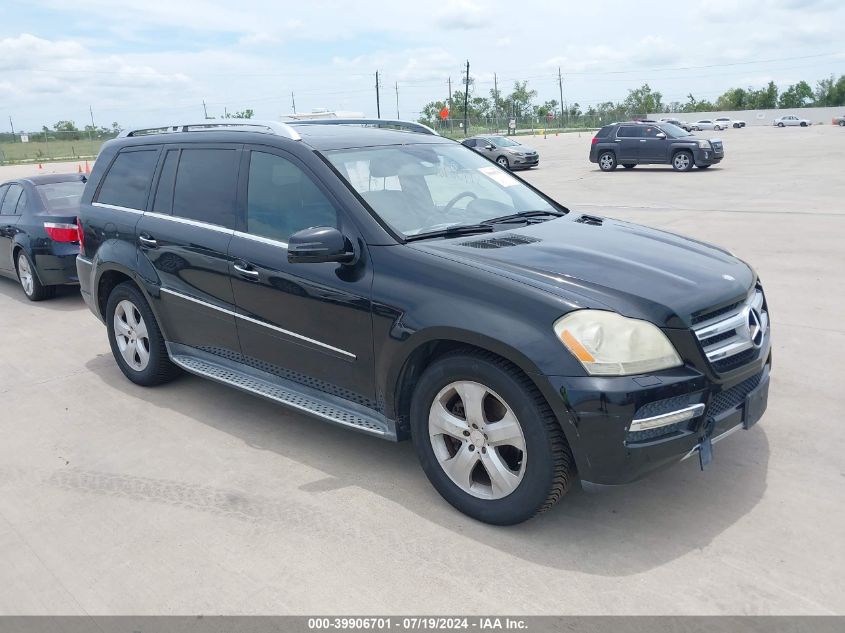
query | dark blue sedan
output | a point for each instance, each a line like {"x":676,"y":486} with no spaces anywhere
{"x":39,"y":241}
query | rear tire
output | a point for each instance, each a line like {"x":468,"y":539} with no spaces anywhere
{"x":803,"y":124}
{"x":607,"y":161}
{"x":718,"y":128}
{"x":135,"y":338}
{"x":28,"y":278}
{"x":505,"y":474}
{"x":682,"y":161}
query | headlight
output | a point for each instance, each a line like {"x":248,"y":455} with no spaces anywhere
{"x":704,"y":144}
{"x":608,"y":344}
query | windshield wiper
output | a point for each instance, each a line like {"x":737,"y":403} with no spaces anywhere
{"x":460,"y":229}
{"x":523,"y":215}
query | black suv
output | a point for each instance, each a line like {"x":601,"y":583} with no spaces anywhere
{"x":637,"y":143}
{"x":399,"y":284}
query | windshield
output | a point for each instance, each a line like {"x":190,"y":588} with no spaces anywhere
{"x":419,"y":189}
{"x":674,"y":130}
{"x":61,"y":196}
{"x":502,"y":141}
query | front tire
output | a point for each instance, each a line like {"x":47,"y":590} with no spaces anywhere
{"x":135,"y":338}
{"x":717,"y":128}
{"x":607,"y":161}
{"x":487,"y":440}
{"x":28,"y":278}
{"x":682,"y":161}
{"x":502,"y":162}
{"x":781,"y":125}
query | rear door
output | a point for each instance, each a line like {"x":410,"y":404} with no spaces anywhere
{"x":183,"y":239}
{"x":308,"y":322}
{"x":628,"y":139}
{"x":9,"y":195}
{"x":652,"y":148}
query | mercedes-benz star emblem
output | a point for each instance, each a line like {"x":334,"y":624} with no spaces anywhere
{"x":755,"y":328}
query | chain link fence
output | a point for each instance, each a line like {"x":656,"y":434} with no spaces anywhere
{"x":505,"y":125}
{"x":46,"y":146}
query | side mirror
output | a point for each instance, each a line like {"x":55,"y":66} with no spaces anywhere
{"x":488,"y":146}
{"x":660,"y":135}
{"x":319,"y":244}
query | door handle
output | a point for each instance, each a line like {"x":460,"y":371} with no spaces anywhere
{"x":642,"y":140}
{"x":246,"y":272}
{"x":147,"y":241}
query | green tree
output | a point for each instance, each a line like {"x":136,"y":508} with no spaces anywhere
{"x":67,"y":130}
{"x":796,"y":96}
{"x":830,"y":91}
{"x":244,"y":114}
{"x":643,"y":100}
{"x":733,"y":99}
{"x":521,"y":97}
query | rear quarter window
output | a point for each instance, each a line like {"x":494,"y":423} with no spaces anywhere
{"x":128,"y":180}
{"x":604,"y":132}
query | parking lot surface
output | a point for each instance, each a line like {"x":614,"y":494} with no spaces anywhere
{"x":194,"y":498}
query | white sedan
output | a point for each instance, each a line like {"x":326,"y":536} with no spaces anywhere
{"x":705,"y":124}
{"x":790,"y":119}
{"x":724,"y":123}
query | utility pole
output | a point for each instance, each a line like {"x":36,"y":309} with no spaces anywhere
{"x":397,"y":99}
{"x":204,"y":110}
{"x":91,"y":131}
{"x":450,"y":104}
{"x":378,"y":100}
{"x":496,"y":102}
{"x":12,"y":125}
{"x":293,"y":102}
{"x":466,"y":101}
{"x":560,"y":85}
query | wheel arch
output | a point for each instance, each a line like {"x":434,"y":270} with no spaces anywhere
{"x":428,"y":346}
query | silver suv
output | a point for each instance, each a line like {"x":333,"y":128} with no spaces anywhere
{"x":507,"y":152}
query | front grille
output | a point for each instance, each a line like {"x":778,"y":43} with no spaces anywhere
{"x":731,"y":336}
{"x":733,"y":397}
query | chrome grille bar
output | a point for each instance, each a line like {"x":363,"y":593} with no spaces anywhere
{"x":732,"y":331}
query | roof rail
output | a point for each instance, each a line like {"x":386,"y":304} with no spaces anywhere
{"x":410,"y":126}
{"x":232,"y":125}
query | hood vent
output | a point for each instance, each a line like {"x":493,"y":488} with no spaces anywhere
{"x":502,"y":241}
{"x":590,"y":219}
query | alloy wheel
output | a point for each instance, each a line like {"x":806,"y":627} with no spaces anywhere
{"x":25,"y":274}
{"x":681,"y":161}
{"x":502,"y":161}
{"x":606,"y":161}
{"x":477,"y":440}
{"x":131,"y":335}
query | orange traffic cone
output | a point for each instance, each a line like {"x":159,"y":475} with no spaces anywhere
{"x":40,"y":166}
{"x":87,"y":168}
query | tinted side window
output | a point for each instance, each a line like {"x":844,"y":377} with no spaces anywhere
{"x":629,"y":131}
{"x":651,"y":132}
{"x":470,"y":142}
{"x":605,"y":131}
{"x":3,"y":191}
{"x":22,"y":203}
{"x":282,"y":199}
{"x":11,"y":200}
{"x":128,"y":181}
{"x":163,"y":202}
{"x":205,"y":186}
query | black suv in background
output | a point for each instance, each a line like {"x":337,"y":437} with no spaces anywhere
{"x":397,"y":283}
{"x":637,"y":143}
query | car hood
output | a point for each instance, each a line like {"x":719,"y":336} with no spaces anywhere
{"x":601,"y":263}
{"x":522,"y":149}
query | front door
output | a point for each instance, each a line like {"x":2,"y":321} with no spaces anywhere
{"x":310,"y":323}
{"x":184,"y":238}
{"x":652,"y":148}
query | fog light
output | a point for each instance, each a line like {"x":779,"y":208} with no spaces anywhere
{"x":665,"y":419}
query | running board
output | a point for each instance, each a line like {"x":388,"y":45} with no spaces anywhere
{"x":286,"y":392}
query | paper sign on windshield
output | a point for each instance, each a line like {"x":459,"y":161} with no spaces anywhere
{"x":497,"y":175}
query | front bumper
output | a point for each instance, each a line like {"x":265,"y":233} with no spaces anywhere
{"x":599,"y":411}
{"x":709,"y":156}
{"x":524,"y":162}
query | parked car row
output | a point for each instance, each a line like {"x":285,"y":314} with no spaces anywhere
{"x":396,"y":283}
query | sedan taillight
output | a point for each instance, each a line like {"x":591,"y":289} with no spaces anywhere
{"x":595,"y":140}
{"x":62,"y":232}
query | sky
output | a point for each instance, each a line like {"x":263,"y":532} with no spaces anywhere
{"x":156,"y":61}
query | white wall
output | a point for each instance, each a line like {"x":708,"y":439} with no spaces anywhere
{"x":759,"y":117}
